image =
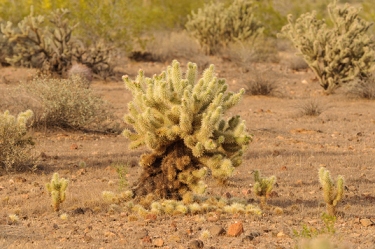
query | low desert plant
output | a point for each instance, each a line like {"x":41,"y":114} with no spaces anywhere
{"x":263,"y":187}
{"x":261,"y":85}
{"x":245,"y":53}
{"x":67,"y":103}
{"x":363,"y":88}
{"x":15,"y":143}
{"x":122,"y":170}
{"x":57,"y":188}
{"x":180,"y":119}
{"x":310,"y":107}
{"x":216,"y":24}
{"x":336,"y":55}
{"x":332,"y":194}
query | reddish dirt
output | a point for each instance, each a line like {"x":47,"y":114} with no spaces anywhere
{"x":286,"y":144}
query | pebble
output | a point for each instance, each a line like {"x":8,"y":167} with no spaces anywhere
{"x":235,"y":229}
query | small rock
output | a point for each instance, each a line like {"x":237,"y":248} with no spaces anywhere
{"x":251,"y":236}
{"x":158,"y":242}
{"x":55,"y":226}
{"x":280,"y":234}
{"x":235,"y":229}
{"x":217,"y":230}
{"x":366,"y":222}
{"x":195,"y":244}
{"x":74,"y":147}
{"x":141,"y":234}
{"x":147,"y":240}
{"x":246,"y":192}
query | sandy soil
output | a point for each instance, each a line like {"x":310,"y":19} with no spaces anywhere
{"x":287,"y":144}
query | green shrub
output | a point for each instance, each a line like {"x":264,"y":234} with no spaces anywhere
{"x":339,"y":54}
{"x":51,"y":47}
{"x":215,"y":25}
{"x":15,"y":144}
{"x":67,"y":103}
{"x":180,"y":119}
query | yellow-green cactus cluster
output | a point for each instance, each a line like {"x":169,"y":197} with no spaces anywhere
{"x":263,"y":187}
{"x":57,"y":188}
{"x":15,"y":145}
{"x":339,"y":54}
{"x":174,"y":207}
{"x":216,"y":24}
{"x":180,"y":118}
{"x":332,"y":195}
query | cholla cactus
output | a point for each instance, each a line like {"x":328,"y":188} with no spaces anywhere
{"x":57,"y":188}
{"x":216,"y":24}
{"x":181,"y":121}
{"x":331,"y":194}
{"x":51,"y":48}
{"x":339,"y":54}
{"x":263,"y":187}
{"x":15,"y":145}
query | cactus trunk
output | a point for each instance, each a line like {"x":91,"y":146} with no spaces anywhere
{"x":162,"y":174}
{"x":331,"y":209}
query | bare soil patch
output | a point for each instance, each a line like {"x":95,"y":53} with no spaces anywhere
{"x":287,"y":144}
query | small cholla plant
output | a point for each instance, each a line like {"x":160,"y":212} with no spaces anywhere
{"x":15,"y":144}
{"x":217,"y":24}
{"x":180,"y":119}
{"x":263,"y":187}
{"x":57,"y":188}
{"x":332,"y":194}
{"x":336,"y":55}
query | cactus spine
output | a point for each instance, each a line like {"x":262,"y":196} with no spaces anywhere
{"x":336,"y":55}
{"x":57,"y":188}
{"x":331,"y":195}
{"x":180,"y":119}
{"x":263,"y":187}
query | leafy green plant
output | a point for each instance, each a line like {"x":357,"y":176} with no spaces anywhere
{"x":15,"y":144}
{"x":57,"y":188}
{"x":336,"y":55}
{"x":68,"y":103}
{"x":215,"y":25}
{"x":180,"y":119}
{"x":332,"y":194}
{"x":263,"y":187}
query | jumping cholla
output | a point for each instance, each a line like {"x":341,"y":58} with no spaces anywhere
{"x":180,"y":119}
{"x":57,"y":188}
{"x":263,"y":187}
{"x":339,"y":54}
{"x":331,"y":194}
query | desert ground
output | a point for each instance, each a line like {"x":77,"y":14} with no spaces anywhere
{"x":287,"y":143}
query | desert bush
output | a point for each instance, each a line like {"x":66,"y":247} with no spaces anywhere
{"x":51,"y":47}
{"x":311,"y":107}
{"x":180,"y":119}
{"x":215,"y":25}
{"x":363,"y":88}
{"x":261,"y":85}
{"x":245,"y":53}
{"x":67,"y":103}
{"x":15,"y":144}
{"x":296,"y":63}
{"x":339,"y":54}
{"x":166,"y":46}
